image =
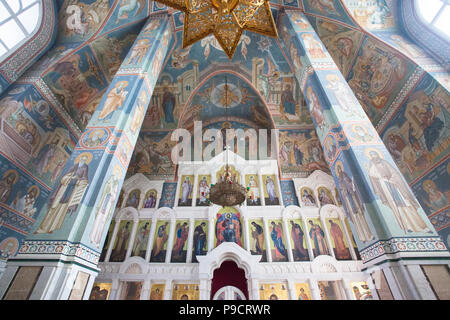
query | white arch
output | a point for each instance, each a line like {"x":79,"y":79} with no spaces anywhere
{"x":229,"y":251}
{"x":133,"y":265}
{"x":127,"y":213}
{"x":325,"y":264}
{"x":331,"y":211}
{"x":164,"y":213}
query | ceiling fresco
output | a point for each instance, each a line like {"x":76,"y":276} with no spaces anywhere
{"x":403,"y":91}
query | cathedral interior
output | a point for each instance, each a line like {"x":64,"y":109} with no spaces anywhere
{"x":114,"y":135}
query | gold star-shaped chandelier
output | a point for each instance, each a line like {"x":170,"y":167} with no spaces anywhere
{"x":226,"y":19}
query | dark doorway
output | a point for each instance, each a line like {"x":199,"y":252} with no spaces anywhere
{"x":229,"y":274}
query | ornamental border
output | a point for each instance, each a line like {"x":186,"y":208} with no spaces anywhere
{"x":401,"y":245}
{"x":65,"y":248}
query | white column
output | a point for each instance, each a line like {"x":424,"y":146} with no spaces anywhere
{"x":287,"y":239}
{"x":141,"y":200}
{"x":246,"y":232}
{"x":420,"y":283}
{"x":211,"y":231}
{"x":308,"y":239}
{"x":261,"y":189}
{"x":393,"y":285}
{"x":244,"y":204}
{"x":158,"y":197}
{"x":177,"y":198}
{"x":327,"y":237}
{"x":370,"y":284}
{"x":266,"y":238}
{"x":168,"y":290}
{"x":315,"y":291}
{"x":280,"y":196}
{"x":291,"y":289}
{"x":151,"y":239}
{"x":194,"y":191}
{"x":112,"y":241}
{"x":131,"y":241}
{"x":205,"y":289}
{"x":190,"y":240}
{"x":113,"y":295}
{"x":348,"y":290}
{"x":145,"y":292}
{"x":253,"y":292}
{"x":125,"y":199}
{"x":349,"y":240}
{"x":170,"y":241}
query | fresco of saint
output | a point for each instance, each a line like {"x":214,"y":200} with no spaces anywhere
{"x":116,"y":97}
{"x":150,"y":201}
{"x":318,"y":239}
{"x":253,"y":192}
{"x":168,"y":105}
{"x":8,"y":180}
{"x":300,"y":253}
{"x":203,"y":190}
{"x":200,"y":240}
{"x":160,"y":241}
{"x":353,"y":204}
{"x":277,"y":238}
{"x":336,"y":233}
{"x":123,"y":235}
{"x":228,"y":228}
{"x":68,"y":195}
{"x":139,"y":114}
{"x":138,"y":51}
{"x":389,"y":186}
{"x":181,"y":234}
{"x":258,"y":238}
{"x":316,"y":108}
{"x":271,"y":192}
{"x":106,"y":206}
{"x":140,"y":244}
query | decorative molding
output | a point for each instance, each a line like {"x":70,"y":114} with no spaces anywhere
{"x":39,"y":248}
{"x":403,"y":245}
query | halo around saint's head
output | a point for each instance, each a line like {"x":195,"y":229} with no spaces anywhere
{"x":14,"y":172}
{"x":368,"y":151}
{"x":338,"y":165}
{"x":84,"y":154}
{"x":35,"y":189}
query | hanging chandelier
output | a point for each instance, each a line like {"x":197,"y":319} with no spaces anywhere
{"x":226,"y":19}
{"x":227,"y":192}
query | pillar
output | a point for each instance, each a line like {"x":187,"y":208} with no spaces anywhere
{"x":266,"y":238}
{"x":315,"y":291}
{"x":190,"y":240}
{"x":72,"y":229}
{"x":195,"y":190}
{"x":168,"y":290}
{"x":261,"y":188}
{"x":387,"y":220}
{"x":132,"y":239}
{"x":246,"y":230}
{"x":151,"y":239}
